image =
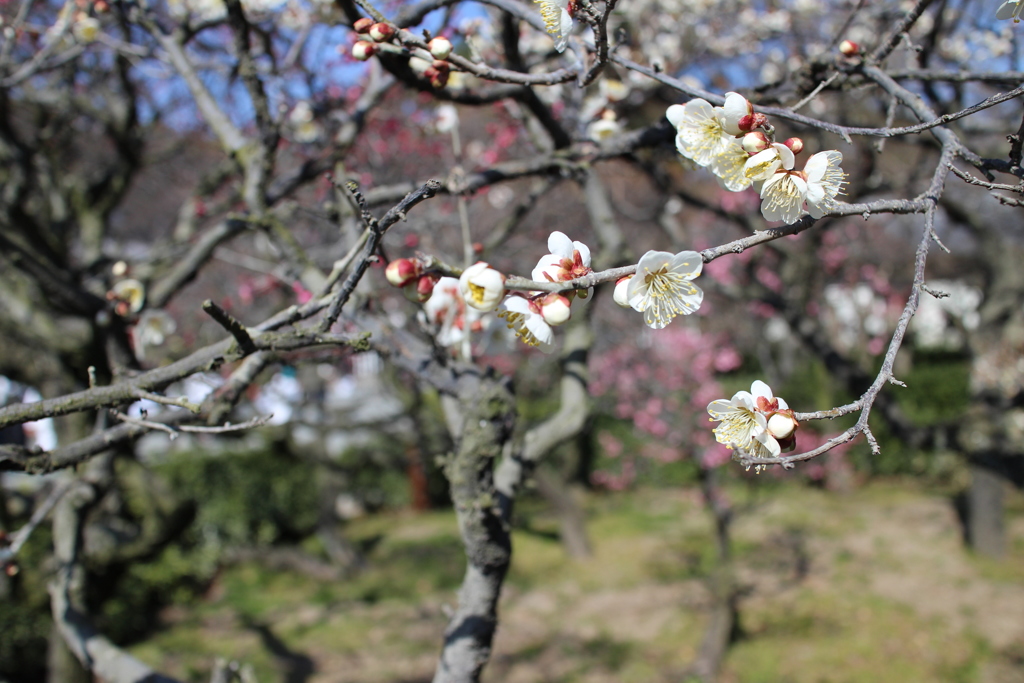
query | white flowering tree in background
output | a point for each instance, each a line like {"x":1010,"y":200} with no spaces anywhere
{"x":209,"y":190}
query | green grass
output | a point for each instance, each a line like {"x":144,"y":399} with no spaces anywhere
{"x":636,"y":610}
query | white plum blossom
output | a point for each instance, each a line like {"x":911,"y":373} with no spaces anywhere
{"x":527,"y":320}
{"x":784,"y":192}
{"x":605,"y":127}
{"x":765,"y":163}
{"x":782,"y":196}
{"x":753,"y":422}
{"x":704,"y":132}
{"x":86,"y":28}
{"x":568,"y":260}
{"x":482,"y":286}
{"x":131,"y":292}
{"x":557,"y":21}
{"x":825,"y":180}
{"x":1010,"y":9}
{"x":730,"y":166}
{"x":152,"y":330}
{"x":447,"y":315}
{"x":447,"y":118}
{"x":662,"y":287}
{"x":302,"y":121}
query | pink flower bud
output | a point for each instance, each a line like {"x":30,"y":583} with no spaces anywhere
{"x":849,"y":48}
{"x":401,"y":272}
{"x":437,"y":77}
{"x":795,"y":144}
{"x":752,"y":122}
{"x":755,"y":141}
{"x":382,"y":32}
{"x":440,"y":48}
{"x":362,"y":25}
{"x":420,"y":290}
{"x":363,"y":50}
{"x":554,"y":308}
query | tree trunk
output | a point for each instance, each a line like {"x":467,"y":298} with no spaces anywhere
{"x":985,"y":531}
{"x":61,"y":664}
{"x":571,"y":519}
{"x":720,"y":629}
{"x":723,"y":625}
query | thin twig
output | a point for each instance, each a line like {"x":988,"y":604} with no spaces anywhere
{"x":232,"y":325}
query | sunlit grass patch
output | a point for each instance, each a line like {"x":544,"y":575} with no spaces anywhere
{"x":818,"y":636}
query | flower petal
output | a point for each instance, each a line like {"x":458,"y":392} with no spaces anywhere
{"x":769,"y":442}
{"x":560,"y":244}
{"x":816,"y":166}
{"x":517,"y":304}
{"x":736,"y":107}
{"x":744,"y":399}
{"x":654,"y":260}
{"x":540,"y":330}
{"x":687,"y":264}
{"x":760,"y":389}
{"x":1009,"y":9}
{"x":549,"y":264}
{"x":675,"y":114}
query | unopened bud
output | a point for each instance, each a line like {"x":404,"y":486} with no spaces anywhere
{"x":755,"y":141}
{"x":363,"y":50}
{"x":620,"y":294}
{"x":401,"y":272}
{"x":752,"y":122}
{"x":782,"y":425}
{"x":437,"y":77}
{"x":362,"y":25}
{"x":554,"y":308}
{"x":420,"y":290}
{"x":440,"y":48}
{"x":795,"y":144}
{"x":849,"y":48}
{"x":382,"y":32}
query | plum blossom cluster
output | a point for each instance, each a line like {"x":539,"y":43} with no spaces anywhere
{"x":377,"y":36}
{"x":754,"y":423}
{"x":481,"y":289}
{"x":738,"y":145}
{"x":662,"y":289}
{"x":444,"y":312}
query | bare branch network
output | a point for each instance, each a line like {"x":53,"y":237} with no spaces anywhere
{"x":302,"y":120}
